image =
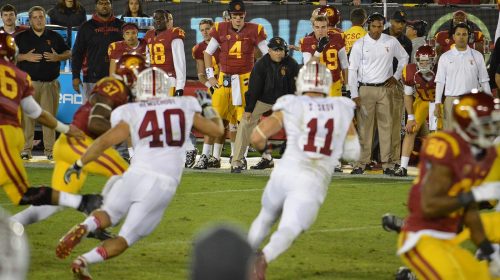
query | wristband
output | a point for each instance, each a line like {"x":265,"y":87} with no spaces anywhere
{"x":317,"y":54}
{"x":208,"y":84}
{"x":465,"y":198}
{"x":411,"y":117}
{"x":62,"y":128}
{"x":210,"y":72}
{"x":79,"y":163}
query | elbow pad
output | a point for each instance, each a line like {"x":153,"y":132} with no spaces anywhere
{"x":352,"y":149}
{"x":31,"y":107}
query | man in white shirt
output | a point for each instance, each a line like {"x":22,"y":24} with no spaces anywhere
{"x":460,"y":69}
{"x":370,"y":70}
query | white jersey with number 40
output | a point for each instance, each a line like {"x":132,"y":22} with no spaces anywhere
{"x":158,"y":129}
{"x":316,"y":128}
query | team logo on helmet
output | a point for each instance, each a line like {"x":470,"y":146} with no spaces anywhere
{"x":237,"y":7}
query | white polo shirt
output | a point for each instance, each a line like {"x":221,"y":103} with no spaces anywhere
{"x":459,"y":72}
{"x":370,"y":61}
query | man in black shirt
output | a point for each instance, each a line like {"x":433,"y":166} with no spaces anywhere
{"x":397,"y":30}
{"x":40,"y":54}
{"x":272,"y":77}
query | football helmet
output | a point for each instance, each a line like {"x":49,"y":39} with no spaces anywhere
{"x":153,"y":83}
{"x":331,"y":13}
{"x":314,"y":77}
{"x":477,"y":118}
{"x":424,"y":58}
{"x":128,"y":67}
{"x":8,"y":47}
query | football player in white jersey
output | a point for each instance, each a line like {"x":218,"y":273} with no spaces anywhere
{"x":319,"y":132}
{"x":159,"y":125}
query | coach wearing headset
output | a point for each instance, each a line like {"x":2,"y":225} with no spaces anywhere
{"x":460,"y":70}
{"x":372,"y":81}
{"x":272,"y":77}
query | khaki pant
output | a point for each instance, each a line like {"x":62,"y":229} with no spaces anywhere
{"x":245,"y":129}
{"x":86,"y":90}
{"x":448,"y":112}
{"x":397,"y":114}
{"x":375,"y":103}
{"x":47,"y":95}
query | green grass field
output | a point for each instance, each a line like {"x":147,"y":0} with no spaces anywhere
{"x":346,"y":241}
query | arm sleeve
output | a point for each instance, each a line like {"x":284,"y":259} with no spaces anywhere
{"x":344,"y":63}
{"x":78,"y":53}
{"x":408,"y":90}
{"x":30,"y":107}
{"x":212,"y":46}
{"x":256,"y":85}
{"x":179,"y":63}
{"x":402,"y":57}
{"x":439,"y":92}
{"x":306,"y":57}
{"x":263,"y":47}
{"x":354,"y":60}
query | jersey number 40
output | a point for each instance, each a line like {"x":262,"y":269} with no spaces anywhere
{"x":150,"y":127}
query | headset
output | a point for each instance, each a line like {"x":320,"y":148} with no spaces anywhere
{"x":373,"y":17}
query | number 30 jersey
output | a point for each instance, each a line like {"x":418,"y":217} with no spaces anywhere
{"x":316,"y":128}
{"x":158,"y":129}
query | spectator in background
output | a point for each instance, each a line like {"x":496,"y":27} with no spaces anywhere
{"x":460,"y":70}
{"x":221,"y":253}
{"x":8,"y":14}
{"x":272,"y":77}
{"x":130,"y":44}
{"x":416,"y":31}
{"x":494,"y":66}
{"x":370,"y":70}
{"x":170,"y":19}
{"x":40,"y":52}
{"x":397,"y":28}
{"x":351,"y":35}
{"x":68,"y":13}
{"x":133,"y":9}
{"x":90,"y":52}
{"x":445,"y":41}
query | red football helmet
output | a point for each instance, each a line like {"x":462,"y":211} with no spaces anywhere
{"x":128,"y":67}
{"x":424,"y":57}
{"x":331,"y":13}
{"x":8,"y":48}
{"x":477,"y":118}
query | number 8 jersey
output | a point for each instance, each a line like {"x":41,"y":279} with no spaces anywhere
{"x":316,"y":129}
{"x":158,"y":129}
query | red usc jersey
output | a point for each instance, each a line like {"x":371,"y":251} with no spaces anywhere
{"x":197,"y":53}
{"x":117,"y":49}
{"x":237,"y":48}
{"x":160,"y":48}
{"x":18,"y":29}
{"x":425,"y":89}
{"x":14,"y":86}
{"x":329,"y":56}
{"x":444,"y":39}
{"x":446,"y":148}
{"x":111,"y":88}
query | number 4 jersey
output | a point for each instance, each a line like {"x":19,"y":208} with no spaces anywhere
{"x":158,"y":130}
{"x":316,"y":128}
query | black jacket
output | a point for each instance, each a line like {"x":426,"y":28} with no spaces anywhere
{"x":92,"y":41}
{"x":67,"y":17}
{"x":270,"y":80}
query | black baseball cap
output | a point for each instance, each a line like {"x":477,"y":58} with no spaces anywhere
{"x":237,"y":7}
{"x":399,"y":16}
{"x":277,"y":43}
{"x":419,"y":25}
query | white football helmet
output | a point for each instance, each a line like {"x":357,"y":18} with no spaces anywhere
{"x":14,"y":249}
{"x":153,"y":83}
{"x":314,"y":77}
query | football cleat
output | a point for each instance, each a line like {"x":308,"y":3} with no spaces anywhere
{"x":213,"y":162}
{"x":90,"y":202}
{"x":101,"y":234}
{"x":25,"y":156}
{"x":236,"y":169}
{"x":202,"y":163}
{"x":405,"y":273}
{"x":338,"y":169}
{"x":263,"y":164}
{"x":357,"y":170}
{"x":388,"y":171}
{"x":191,"y":158}
{"x":69,"y":241}
{"x":400,"y":172}
{"x":244,"y":163}
{"x":391,"y":222}
{"x":80,"y":269}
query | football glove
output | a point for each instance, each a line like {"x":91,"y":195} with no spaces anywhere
{"x":179,"y":92}
{"x":489,"y":252}
{"x":76,"y":168}
{"x":322,"y":44}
